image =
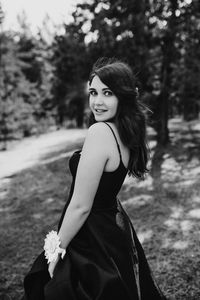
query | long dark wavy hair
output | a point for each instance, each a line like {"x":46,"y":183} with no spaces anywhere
{"x":130,"y":118}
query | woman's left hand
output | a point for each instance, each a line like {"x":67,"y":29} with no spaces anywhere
{"x":52,"y":266}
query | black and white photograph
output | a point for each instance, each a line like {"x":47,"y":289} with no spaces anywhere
{"x":100,"y":150}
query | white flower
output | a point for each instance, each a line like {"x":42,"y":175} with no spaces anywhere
{"x":52,"y":246}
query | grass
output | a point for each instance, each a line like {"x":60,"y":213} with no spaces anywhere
{"x":165,"y":212}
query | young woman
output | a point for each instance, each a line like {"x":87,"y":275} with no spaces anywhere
{"x":96,"y":255}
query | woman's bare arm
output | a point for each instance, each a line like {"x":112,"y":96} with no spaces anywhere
{"x":91,"y":165}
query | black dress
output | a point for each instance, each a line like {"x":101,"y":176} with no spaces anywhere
{"x":105,"y":259}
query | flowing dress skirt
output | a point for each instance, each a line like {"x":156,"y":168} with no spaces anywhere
{"x":104,"y":261}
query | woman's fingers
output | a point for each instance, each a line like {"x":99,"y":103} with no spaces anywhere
{"x":52,"y":266}
{"x":50,"y":269}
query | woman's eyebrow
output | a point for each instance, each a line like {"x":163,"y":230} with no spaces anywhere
{"x":103,"y":89}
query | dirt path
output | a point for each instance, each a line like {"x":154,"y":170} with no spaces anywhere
{"x":31,"y":151}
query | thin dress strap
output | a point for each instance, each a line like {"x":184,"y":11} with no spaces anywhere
{"x":115,"y":140}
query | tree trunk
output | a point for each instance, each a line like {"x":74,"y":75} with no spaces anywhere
{"x":162,"y":126}
{"x":168,"y":51}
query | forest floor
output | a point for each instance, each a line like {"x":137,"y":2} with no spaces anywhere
{"x":164,"y":208}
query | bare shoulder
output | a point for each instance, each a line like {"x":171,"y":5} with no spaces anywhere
{"x":99,"y":131}
{"x":97,"y":141}
{"x":99,"y":127}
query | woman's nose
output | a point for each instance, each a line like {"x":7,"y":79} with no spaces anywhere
{"x":98,"y":100}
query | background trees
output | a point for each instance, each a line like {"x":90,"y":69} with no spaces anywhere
{"x":70,"y":74}
{"x":43,"y":84}
{"x":25,"y":85}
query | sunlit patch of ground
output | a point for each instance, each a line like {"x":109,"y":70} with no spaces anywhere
{"x":164,"y":209}
{"x":139,"y":200}
{"x":131,"y":183}
{"x":144,"y":235}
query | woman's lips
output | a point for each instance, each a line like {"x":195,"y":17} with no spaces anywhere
{"x":99,"y":111}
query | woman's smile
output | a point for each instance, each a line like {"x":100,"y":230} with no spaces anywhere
{"x":99,"y":111}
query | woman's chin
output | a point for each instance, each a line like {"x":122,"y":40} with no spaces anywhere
{"x":99,"y":117}
{"x":104,"y":118}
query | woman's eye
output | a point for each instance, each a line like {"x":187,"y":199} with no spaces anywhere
{"x":108,"y":93}
{"x":92,"y":93}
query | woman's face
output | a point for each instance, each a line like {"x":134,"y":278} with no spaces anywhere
{"x":103,"y":103}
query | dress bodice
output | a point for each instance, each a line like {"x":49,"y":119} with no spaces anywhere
{"x":109,"y":184}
